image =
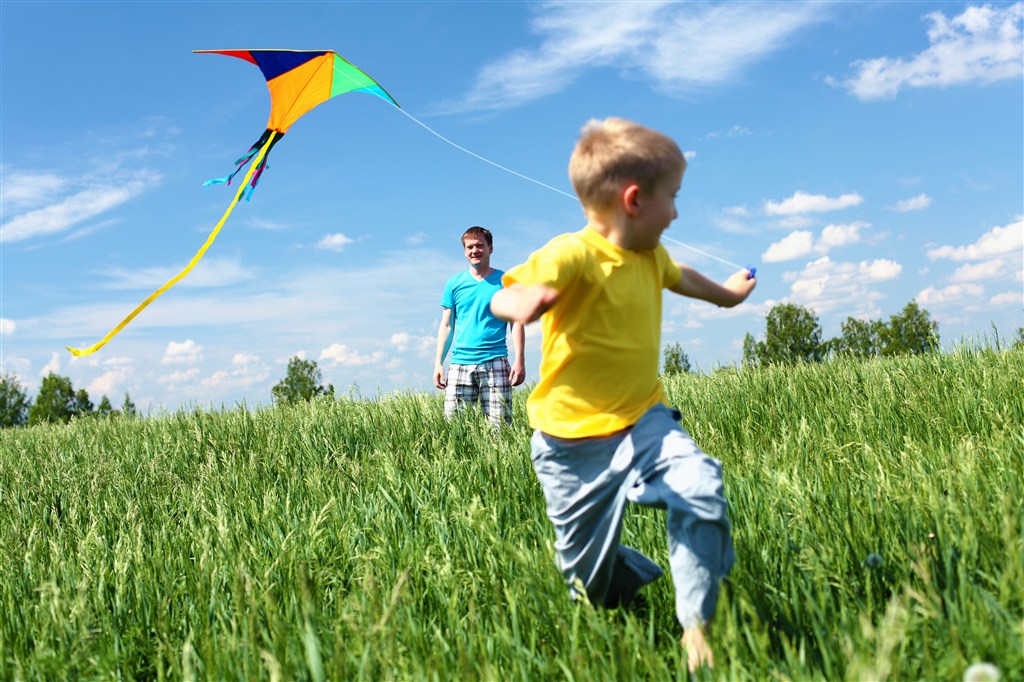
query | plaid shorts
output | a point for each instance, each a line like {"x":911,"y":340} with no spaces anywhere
{"x":487,"y":384}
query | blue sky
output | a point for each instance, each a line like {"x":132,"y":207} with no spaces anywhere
{"x":860,"y":155}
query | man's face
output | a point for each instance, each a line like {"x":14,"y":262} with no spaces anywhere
{"x":478,"y":253}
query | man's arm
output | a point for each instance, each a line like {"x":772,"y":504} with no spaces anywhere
{"x":518,"y":373}
{"x":732,"y":292}
{"x":521,"y":303}
{"x":445,"y":331}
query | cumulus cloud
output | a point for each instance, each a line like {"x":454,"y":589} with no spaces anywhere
{"x":974,"y":272}
{"x":403,"y":341}
{"x":242,"y":359}
{"x":1008,"y":298}
{"x":335,"y":241}
{"x":995,"y":242}
{"x":106,"y":383}
{"x":980,"y":45}
{"x":187,"y":352}
{"x":802,"y":242}
{"x":825,"y":285}
{"x":7,"y":326}
{"x":179,"y":377}
{"x":802,"y":202}
{"x":912,"y":204}
{"x":677,"y":46}
{"x":950,"y":294}
{"x":340,"y":354}
{"x":792,"y":246}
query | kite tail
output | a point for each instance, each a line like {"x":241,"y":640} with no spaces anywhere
{"x":268,"y":135}
{"x":260,"y":156}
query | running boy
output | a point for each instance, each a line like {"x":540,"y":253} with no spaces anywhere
{"x":603,"y":433}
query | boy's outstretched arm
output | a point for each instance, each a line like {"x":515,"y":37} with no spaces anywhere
{"x":732,"y":292}
{"x":521,"y":303}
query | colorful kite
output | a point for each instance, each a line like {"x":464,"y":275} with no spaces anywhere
{"x":298,"y":82}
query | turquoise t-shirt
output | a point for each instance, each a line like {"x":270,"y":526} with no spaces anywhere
{"x":479,"y":335}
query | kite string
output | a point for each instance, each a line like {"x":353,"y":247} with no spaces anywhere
{"x":77,"y":352}
{"x":553,"y":189}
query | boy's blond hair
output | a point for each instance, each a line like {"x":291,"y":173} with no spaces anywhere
{"x":616,"y":151}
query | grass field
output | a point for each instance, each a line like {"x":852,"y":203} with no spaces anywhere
{"x":372,"y":540}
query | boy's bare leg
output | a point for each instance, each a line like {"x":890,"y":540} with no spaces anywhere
{"x":697,"y":648}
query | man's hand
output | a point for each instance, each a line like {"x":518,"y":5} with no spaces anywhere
{"x":517,"y":374}
{"x":439,"y":381}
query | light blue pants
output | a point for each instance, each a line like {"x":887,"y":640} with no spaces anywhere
{"x":587,"y":483}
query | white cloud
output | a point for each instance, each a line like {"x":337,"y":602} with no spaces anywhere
{"x":209,"y":272}
{"x":826,"y":285}
{"x":335,"y":241}
{"x":187,"y":352}
{"x":179,"y":377}
{"x":52,"y":366}
{"x":7,"y":326}
{"x":801,"y":243}
{"x":735,"y":131}
{"x":973,"y":272}
{"x":242,"y":359}
{"x":981,"y":45}
{"x":802,"y":202}
{"x":680,"y":46}
{"x":950,"y":294}
{"x":689,"y":155}
{"x":739,"y":211}
{"x":1008,"y":298}
{"x":995,"y":242}
{"x":24,"y":191}
{"x":402,"y":341}
{"x":340,"y":354}
{"x":417,"y":238}
{"x":106,"y":383}
{"x":839,"y":235}
{"x":912,"y":204}
{"x":880,"y":270}
{"x":70,"y":211}
{"x":792,"y":246}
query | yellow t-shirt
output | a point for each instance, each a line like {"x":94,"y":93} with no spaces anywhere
{"x":602,"y":337}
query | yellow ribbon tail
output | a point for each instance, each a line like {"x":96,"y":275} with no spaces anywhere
{"x":79,"y":352}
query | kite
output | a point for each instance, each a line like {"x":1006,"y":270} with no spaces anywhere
{"x":298,"y":81}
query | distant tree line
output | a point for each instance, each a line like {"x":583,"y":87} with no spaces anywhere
{"x":793,"y":334}
{"x":56,"y":402}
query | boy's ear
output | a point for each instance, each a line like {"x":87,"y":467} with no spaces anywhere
{"x":631,"y":199}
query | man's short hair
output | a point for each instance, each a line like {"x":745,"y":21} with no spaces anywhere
{"x":478,"y":232}
{"x":615,"y":151}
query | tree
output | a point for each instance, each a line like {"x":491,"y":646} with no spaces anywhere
{"x":81,"y":406}
{"x":14,"y":401}
{"x":1018,"y":339}
{"x":676,"y":360}
{"x":860,"y":338}
{"x":792,"y":334}
{"x":128,"y":407}
{"x":910,"y":331}
{"x":105,"y":409}
{"x":55,"y":401}
{"x":302,"y":382}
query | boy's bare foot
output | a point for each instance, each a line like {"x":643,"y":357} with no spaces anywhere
{"x":697,"y":649}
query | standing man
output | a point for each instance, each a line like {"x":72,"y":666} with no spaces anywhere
{"x":479,"y":370}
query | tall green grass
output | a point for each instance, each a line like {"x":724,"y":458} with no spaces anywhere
{"x":373,"y":540}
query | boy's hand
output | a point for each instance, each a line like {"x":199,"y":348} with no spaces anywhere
{"x":523,"y":304}
{"x":741,"y":284}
